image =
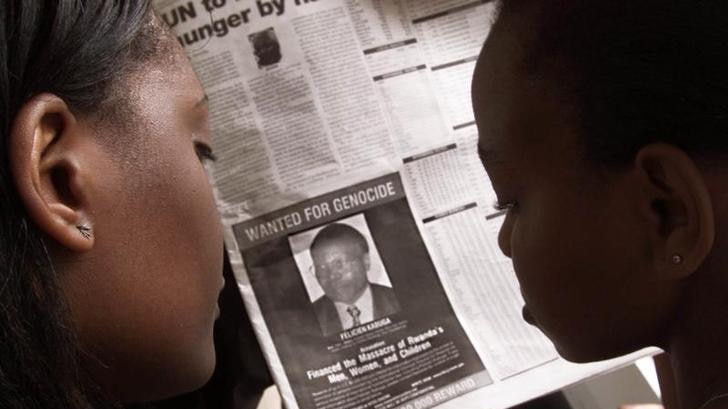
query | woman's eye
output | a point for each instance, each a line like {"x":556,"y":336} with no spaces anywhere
{"x":503,"y":206}
{"x":204,"y":152}
{"x":501,"y":209}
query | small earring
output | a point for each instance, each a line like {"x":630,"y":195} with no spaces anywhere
{"x":85,"y":231}
{"x":677,"y":259}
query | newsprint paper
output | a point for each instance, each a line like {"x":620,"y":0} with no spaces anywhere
{"x":350,"y":120}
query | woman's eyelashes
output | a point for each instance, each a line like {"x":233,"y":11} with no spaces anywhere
{"x":204,"y":152}
{"x":499,"y":206}
{"x":501,"y":209}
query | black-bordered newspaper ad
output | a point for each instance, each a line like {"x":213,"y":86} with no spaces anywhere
{"x":409,"y":350}
{"x":358,"y":217}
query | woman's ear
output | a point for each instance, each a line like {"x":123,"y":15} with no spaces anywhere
{"x":678,"y":209}
{"x":45,"y":166}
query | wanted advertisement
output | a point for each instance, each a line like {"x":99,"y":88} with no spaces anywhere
{"x":354,"y":304}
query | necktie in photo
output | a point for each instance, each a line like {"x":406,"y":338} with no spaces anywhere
{"x":355,"y":313}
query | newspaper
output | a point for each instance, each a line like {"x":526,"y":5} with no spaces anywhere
{"x":356,"y":113}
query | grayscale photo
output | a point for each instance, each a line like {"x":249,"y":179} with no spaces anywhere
{"x":344,"y":276}
{"x":266,"y":47}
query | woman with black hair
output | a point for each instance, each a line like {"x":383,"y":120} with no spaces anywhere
{"x":110,"y":242}
{"x":604,"y":130}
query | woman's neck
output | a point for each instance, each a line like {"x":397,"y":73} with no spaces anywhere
{"x":699,"y":388}
{"x":697,"y":347}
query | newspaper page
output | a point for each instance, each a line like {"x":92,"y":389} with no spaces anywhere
{"x":347,"y":173}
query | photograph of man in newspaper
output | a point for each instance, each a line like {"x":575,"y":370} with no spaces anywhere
{"x":266,"y":48}
{"x":351,"y":286}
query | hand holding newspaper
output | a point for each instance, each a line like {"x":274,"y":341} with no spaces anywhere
{"x":359,"y":219}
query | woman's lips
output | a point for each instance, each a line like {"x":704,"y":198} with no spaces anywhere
{"x":527,"y":316}
{"x":217,"y":301}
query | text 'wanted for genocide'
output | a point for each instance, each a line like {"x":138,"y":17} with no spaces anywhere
{"x":340,"y":204}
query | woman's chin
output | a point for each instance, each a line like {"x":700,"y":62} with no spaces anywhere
{"x":565,"y":351}
{"x":582,"y":350}
{"x":192,"y":376}
{"x":204,"y":370}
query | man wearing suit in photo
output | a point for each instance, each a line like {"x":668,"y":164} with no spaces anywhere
{"x":341,"y":261}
